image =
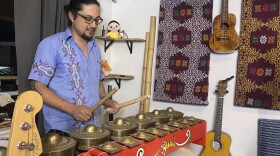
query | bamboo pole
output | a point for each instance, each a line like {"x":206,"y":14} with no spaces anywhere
{"x":128,"y":103}
{"x":150,"y":62}
{"x":106,"y":97}
{"x":144,"y":71}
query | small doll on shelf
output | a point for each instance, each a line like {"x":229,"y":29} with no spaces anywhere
{"x":114,"y":30}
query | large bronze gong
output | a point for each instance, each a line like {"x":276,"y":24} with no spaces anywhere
{"x":56,"y":145}
{"x":173,"y":114}
{"x":160,"y":116}
{"x":90,"y":136}
{"x":143,"y":121}
{"x":120,"y":127}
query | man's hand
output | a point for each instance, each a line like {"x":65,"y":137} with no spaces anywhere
{"x":113,"y":107}
{"x":81,"y":113}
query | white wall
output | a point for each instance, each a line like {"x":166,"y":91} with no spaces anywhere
{"x":239,"y":122}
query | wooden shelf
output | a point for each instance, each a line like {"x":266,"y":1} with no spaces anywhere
{"x":8,"y":77}
{"x":118,"y":78}
{"x":129,"y":41}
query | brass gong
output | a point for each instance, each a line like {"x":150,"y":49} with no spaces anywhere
{"x":160,"y":116}
{"x":56,"y":145}
{"x":143,"y":121}
{"x":190,"y":121}
{"x":90,"y":136}
{"x":120,"y":127}
{"x":173,"y":114}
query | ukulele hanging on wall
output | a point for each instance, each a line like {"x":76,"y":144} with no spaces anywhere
{"x":224,"y":38}
{"x":217,"y":141}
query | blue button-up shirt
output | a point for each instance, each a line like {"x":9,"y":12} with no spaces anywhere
{"x":61,"y":65}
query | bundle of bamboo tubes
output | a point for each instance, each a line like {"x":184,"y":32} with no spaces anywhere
{"x":148,"y":65}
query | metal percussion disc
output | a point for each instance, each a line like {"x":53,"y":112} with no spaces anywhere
{"x":120,"y":127}
{"x":187,"y":120}
{"x":56,"y":145}
{"x":143,"y":121}
{"x":173,"y":114}
{"x":90,"y":136}
{"x":159,"y":116}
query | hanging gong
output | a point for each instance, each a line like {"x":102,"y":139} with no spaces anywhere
{"x":143,"y":121}
{"x":55,"y":145}
{"x":173,"y":114}
{"x":160,"y":116}
{"x":90,"y":136}
{"x":120,"y":127}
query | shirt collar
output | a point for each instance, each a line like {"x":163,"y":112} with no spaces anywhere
{"x":68,"y":35}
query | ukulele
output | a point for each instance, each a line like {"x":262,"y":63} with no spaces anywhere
{"x":24,"y":139}
{"x":224,"y":38}
{"x":218,"y":142}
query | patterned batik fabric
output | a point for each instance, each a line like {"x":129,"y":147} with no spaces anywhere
{"x":258,"y":72}
{"x":183,"y":54}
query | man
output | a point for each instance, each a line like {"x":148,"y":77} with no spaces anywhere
{"x":67,"y":71}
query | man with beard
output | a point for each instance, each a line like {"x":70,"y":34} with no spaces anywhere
{"x":67,"y":71}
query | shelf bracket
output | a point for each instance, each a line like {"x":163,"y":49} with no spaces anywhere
{"x":129,"y":45}
{"x":107,"y":46}
{"x":118,"y":82}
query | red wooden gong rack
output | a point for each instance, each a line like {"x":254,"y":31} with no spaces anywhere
{"x":161,"y":145}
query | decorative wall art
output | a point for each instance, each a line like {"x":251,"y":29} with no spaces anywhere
{"x":258,"y":72}
{"x":183,"y":53}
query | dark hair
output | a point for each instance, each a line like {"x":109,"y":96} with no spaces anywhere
{"x":113,"y":21}
{"x":76,"y":5}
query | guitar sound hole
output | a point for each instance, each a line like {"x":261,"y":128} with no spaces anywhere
{"x":216,"y":145}
{"x":224,"y":26}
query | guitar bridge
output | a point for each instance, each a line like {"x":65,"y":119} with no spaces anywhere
{"x":223,"y":38}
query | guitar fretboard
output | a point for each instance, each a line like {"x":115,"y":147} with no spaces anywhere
{"x":224,"y":13}
{"x":219,"y":117}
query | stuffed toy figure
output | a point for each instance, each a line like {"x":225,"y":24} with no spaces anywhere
{"x":105,"y":67}
{"x":114,"y":30}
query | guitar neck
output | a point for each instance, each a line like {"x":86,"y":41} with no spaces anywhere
{"x":224,"y":12}
{"x":219,"y":116}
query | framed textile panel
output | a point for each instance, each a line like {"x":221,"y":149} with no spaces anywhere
{"x":183,"y":54}
{"x":258,"y":72}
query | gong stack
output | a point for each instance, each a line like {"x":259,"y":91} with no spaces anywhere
{"x":143,"y":121}
{"x":160,"y":116}
{"x":172,"y":113}
{"x":89,"y":136}
{"x":56,"y":145}
{"x":120,"y":127}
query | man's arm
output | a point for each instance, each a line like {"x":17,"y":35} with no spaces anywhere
{"x":80,"y":113}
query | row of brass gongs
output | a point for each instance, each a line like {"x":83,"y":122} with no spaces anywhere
{"x":144,"y":126}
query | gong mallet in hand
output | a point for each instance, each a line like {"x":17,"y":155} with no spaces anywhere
{"x":130,"y":102}
{"x":106,"y":97}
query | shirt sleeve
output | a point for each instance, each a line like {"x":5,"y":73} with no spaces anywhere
{"x":44,"y":63}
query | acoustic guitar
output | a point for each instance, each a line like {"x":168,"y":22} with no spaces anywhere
{"x":224,"y":38}
{"x":218,"y":142}
{"x":24,"y":139}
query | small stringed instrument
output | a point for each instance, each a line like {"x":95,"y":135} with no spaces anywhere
{"x":224,"y":38}
{"x":218,"y":142}
{"x":24,"y":139}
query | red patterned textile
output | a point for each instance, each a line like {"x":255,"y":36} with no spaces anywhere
{"x":258,"y":73}
{"x":183,"y":54}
